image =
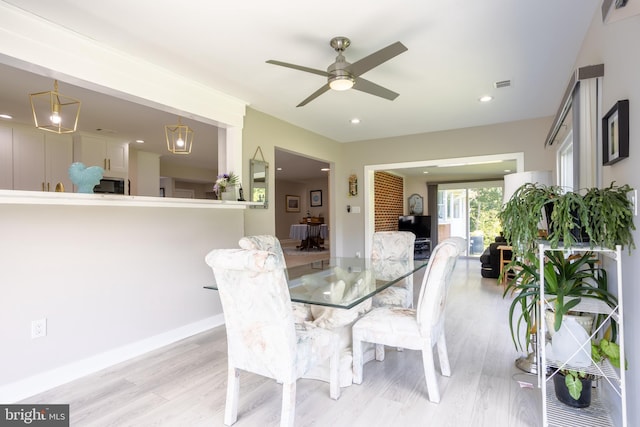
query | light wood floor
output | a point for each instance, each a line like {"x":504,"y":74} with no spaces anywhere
{"x":184,"y":383}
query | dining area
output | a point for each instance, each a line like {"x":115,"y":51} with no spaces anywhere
{"x":325,"y":320}
{"x":311,"y":232}
{"x":185,"y":383}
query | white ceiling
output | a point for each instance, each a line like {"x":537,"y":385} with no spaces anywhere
{"x":457,"y":50}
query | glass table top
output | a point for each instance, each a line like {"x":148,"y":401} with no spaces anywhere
{"x":345,"y":282}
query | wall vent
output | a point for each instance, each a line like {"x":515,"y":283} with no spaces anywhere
{"x":503,"y":83}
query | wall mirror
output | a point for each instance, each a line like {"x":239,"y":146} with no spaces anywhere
{"x":259,"y":182}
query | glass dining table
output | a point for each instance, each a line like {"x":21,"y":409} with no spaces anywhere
{"x":345,"y":282}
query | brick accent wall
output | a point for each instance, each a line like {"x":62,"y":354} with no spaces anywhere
{"x":389,"y":197}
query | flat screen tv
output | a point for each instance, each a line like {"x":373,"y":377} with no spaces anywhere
{"x":420,"y":225}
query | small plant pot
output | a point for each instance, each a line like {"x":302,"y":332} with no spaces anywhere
{"x":584,"y":320}
{"x":562,"y":392}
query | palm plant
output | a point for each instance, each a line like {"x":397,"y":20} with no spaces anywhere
{"x":566,"y":280}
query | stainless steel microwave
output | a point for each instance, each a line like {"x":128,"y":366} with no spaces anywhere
{"x":110,"y":186}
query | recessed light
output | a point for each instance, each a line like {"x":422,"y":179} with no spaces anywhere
{"x":355,"y":121}
{"x":278,"y":169}
{"x":5,"y":116}
{"x":325,"y":169}
{"x":485,"y":98}
{"x":140,"y":141}
{"x":507,"y":170}
{"x":425,"y":171}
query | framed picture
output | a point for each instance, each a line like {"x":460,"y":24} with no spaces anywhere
{"x":416,"y":204}
{"x":316,"y":198}
{"x":615,"y":133}
{"x":292,"y":203}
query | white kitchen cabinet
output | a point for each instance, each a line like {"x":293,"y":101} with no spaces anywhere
{"x":58,"y":156}
{"x":6,"y":158}
{"x":608,"y":400}
{"x":28,"y":160}
{"x":111,"y":155}
{"x":40,"y":161}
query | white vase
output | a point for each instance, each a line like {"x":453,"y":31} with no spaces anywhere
{"x":584,"y":320}
{"x":231,"y":193}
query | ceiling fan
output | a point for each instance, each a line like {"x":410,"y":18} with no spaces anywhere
{"x":341,"y":75}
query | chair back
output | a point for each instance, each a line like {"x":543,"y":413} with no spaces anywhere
{"x":261,"y":336}
{"x":435,"y":284}
{"x":264,"y":242}
{"x":393,"y":245}
{"x":460,"y":242}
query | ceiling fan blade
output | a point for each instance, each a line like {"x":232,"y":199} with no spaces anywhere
{"x":368,"y":62}
{"x":373,"y":89}
{"x":314,"y":95}
{"x":299,"y":67}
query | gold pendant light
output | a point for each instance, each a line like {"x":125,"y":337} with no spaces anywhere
{"x":179,"y":138}
{"x":54,"y":112}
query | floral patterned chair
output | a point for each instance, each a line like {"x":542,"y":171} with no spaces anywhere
{"x":397,"y":246}
{"x":262,"y":336}
{"x":415,"y":329}
{"x":266,"y":242}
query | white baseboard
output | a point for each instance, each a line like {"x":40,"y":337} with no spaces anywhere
{"x":22,"y":389}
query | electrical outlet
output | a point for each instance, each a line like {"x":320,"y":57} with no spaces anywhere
{"x":39,"y":328}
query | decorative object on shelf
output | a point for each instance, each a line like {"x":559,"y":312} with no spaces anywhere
{"x":226,"y":183}
{"x":416,"y":204}
{"x":353,"y":185}
{"x":316,"y":198}
{"x":179,"y":138}
{"x":292,"y":203}
{"x":615,"y":133}
{"x":85,"y":177}
{"x":59,"y":187}
{"x":55,"y":112}
{"x":573,"y":387}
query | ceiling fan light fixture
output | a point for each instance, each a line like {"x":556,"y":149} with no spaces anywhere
{"x":179,"y":138}
{"x":341,"y":83}
{"x":55,"y":112}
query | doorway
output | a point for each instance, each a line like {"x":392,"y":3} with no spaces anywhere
{"x":465,"y":162}
{"x":470,"y":211}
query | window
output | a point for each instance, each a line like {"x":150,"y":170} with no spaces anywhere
{"x":565,"y":163}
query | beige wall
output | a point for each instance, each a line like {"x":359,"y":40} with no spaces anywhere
{"x":525,"y":136}
{"x":302,"y":189}
{"x":613,"y":46}
{"x":267,"y":132}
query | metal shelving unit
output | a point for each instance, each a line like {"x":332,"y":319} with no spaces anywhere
{"x":555,"y":413}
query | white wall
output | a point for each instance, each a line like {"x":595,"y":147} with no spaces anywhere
{"x":106,"y":278}
{"x":612,"y":45}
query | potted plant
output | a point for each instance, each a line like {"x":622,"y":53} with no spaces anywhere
{"x":609,"y":213}
{"x":567,"y":279}
{"x":606,"y":218}
{"x":603,"y":216}
{"x":573,"y":387}
{"x":521,"y":216}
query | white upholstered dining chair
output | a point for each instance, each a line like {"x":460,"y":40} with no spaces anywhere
{"x":393,"y":246}
{"x":269,"y":243}
{"x":261,"y":334}
{"x":415,"y":329}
